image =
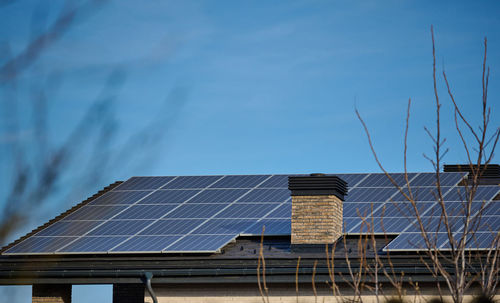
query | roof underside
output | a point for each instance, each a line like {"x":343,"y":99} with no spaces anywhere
{"x":202,"y":214}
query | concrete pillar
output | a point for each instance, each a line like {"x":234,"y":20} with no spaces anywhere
{"x":128,"y":293}
{"x":51,"y":293}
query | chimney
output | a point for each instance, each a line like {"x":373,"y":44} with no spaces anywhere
{"x":316,"y":208}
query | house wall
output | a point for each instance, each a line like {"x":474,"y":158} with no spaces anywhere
{"x":245,"y":293}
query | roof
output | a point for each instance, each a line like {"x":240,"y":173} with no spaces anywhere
{"x":233,"y":208}
{"x":177,"y":214}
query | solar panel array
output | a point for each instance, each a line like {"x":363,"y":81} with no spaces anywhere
{"x":204,"y":213}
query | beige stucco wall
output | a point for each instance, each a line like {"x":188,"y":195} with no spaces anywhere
{"x":250,"y":294}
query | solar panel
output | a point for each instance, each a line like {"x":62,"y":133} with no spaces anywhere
{"x":402,"y":209}
{"x":203,"y":213}
{"x":140,"y":244}
{"x":37,"y":245}
{"x":462,"y":193}
{"x":284,"y":211}
{"x":366,"y":194}
{"x":91,"y":212}
{"x":224,"y":226}
{"x":483,"y":240}
{"x":240,"y":181}
{"x":381,"y":180}
{"x":91,"y":244}
{"x":196,"y":211}
{"x":277,"y":181}
{"x":200,"y":243}
{"x":273,"y":227}
{"x":218,"y":195}
{"x":120,"y":227}
{"x":120,"y":197}
{"x":145,"y":211}
{"x":266,"y":195}
{"x":172,"y":227}
{"x":378,"y":225}
{"x":169,"y":196}
{"x":446,"y":179}
{"x":361,"y":209}
{"x":199,"y":182}
{"x":352,"y":179}
{"x":141,"y":183}
{"x":247,"y":210}
{"x":68,"y":228}
{"x":416,"y":241}
{"x":492,"y":209}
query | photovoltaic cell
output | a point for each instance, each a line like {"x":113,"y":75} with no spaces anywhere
{"x":141,"y":183}
{"x":95,"y":212}
{"x":240,"y":181}
{"x":361,"y":209}
{"x":172,"y":227}
{"x":461,"y":193}
{"x":120,"y":197}
{"x":276,"y":181}
{"x":120,"y":227}
{"x":146,"y":211}
{"x":351,"y":179}
{"x":272,"y":227}
{"x":68,"y":228}
{"x":446,"y":179}
{"x":415,"y":241}
{"x":433,"y":224}
{"x":195,"y":211}
{"x":224,"y":226}
{"x":383,"y":225}
{"x":218,"y":195}
{"x":146,"y":244}
{"x":169,"y":196}
{"x":284,"y":211}
{"x":484,"y":240}
{"x":492,"y":209}
{"x":201,"y":243}
{"x":351,"y":224}
{"x":267,"y":195}
{"x":247,"y":210}
{"x":184,"y":182}
{"x":457,"y":208}
{"x":370,"y":194}
{"x":421,"y":194}
{"x":93,"y":244}
{"x":381,"y":180}
{"x":402,"y":209}
{"x":486,"y":224}
{"x":40,"y":245}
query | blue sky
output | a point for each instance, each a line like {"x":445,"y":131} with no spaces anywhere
{"x":258,"y":87}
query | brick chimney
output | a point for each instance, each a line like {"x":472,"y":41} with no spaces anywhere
{"x":316,"y":208}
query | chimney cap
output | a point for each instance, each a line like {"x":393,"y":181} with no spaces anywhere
{"x":317,"y":185}
{"x":317,"y":174}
